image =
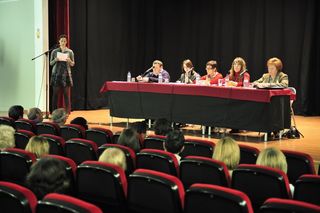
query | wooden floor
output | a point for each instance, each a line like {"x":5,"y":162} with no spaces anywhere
{"x":308,"y":126}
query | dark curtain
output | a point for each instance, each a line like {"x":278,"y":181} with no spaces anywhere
{"x":112,"y":37}
{"x":58,"y":25}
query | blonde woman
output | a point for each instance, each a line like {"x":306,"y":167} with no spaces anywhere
{"x":238,"y":73}
{"x":275,"y":77}
{"x":274,"y":158}
{"x":114,"y":156}
{"x":38,"y":145}
{"x":6,"y":137}
{"x":227,"y":151}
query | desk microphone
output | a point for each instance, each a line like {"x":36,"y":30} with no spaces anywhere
{"x":147,"y":71}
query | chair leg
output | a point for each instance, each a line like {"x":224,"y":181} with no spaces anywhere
{"x":209,"y":131}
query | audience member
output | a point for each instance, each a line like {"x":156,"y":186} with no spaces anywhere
{"x":141,"y":128}
{"x":46,"y":176}
{"x":35,"y":115}
{"x":227,"y":151}
{"x":80,"y":121}
{"x":59,"y":116}
{"x":38,"y":145}
{"x":130,"y":138}
{"x":114,"y":156}
{"x":174,"y":143}
{"x":16,"y":112}
{"x":274,"y":158}
{"x":6,"y":137}
{"x":162,"y":127}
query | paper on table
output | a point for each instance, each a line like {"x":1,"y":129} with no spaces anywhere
{"x":62,"y":56}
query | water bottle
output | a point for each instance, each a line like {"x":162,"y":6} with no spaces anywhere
{"x":226,"y":82}
{"x":129,"y":77}
{"x":160,"y":78}
{"x":197,"y":79}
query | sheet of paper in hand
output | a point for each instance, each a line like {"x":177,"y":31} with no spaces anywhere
{"x":62,"y":56}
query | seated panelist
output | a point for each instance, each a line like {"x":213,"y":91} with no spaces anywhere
{"x":212,"y":75}
{"x":188,"y":75}
{"x":152,"y":74}
{"x":275,"y":77}
{"x":238,"y":73}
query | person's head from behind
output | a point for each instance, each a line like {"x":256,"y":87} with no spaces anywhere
{"x":130,"y":138}
{"x":46,"y":176}
{"x":59,"y":116}
{"x":187,"y":66}
{"x":114,"y":156}
{"x":211,"y":67}
{"x":274,"y":66}
{"x":238,"y":66}
{"x":38,"y":145}
{"x":274,"y":158}
{"x":162,"y":126}
{"x":16,"y":112}
{"x":35,"y":115}
{"x":157,"y":67}
{"x":174,"y":142}
{"x":6,"y":137}
{"x":80,"y":121}
{"x":140,"y":127}
{"x":227,"y":151}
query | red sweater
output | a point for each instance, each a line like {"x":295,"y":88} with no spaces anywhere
{"x":213,"y":80}
{"x":239,"y":79}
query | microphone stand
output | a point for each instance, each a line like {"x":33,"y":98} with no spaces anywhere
{"x":46,"y":71}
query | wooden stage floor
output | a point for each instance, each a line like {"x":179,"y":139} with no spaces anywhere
{"x":308,"y":126}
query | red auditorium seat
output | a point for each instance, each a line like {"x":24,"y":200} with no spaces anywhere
{"x":25,"y":124}
{"x":99,"y":135}
{"x":248,"y":154}
{"x":218,"y":199}
{"x":80,"y":150}
{"x":102,"y":184}
{"x":48,"y":128}
{"x":196,"y":169}
{"x":22,"y":138}
{"x":158,"y":160}
{"x":69,"y":131}
{"x":53,"y":203}
{"x":307,"y":189}
{"x":152,"y":191}
{"x":56,"y":144}
{"x":196,"y":147}
{"x":276,"y":205}
{"x":16,"y":199}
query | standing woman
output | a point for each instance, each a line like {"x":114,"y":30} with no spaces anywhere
{"x":238,"y":73}
{"x":62,"y":59}
{"x":188,"y":75}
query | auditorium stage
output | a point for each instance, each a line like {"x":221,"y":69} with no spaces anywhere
{"x":309,"y":127}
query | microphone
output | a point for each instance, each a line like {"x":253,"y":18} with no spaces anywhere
{"x":241,"y":74}
{"x":147,"y":71}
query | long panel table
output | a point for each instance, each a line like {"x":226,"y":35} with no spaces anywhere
{"x":261,"y":110}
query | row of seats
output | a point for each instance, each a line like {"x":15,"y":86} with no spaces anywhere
{"x":148,"y":191}
{"x":298,"y":163}
{"x":15,"y":164}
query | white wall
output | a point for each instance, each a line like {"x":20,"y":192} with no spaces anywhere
{"x":20,"y":77}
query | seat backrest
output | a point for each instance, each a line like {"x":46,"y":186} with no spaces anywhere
{"x":99,"y":135}
{"x":56,"y":144}
{"x":80,"y":150}
{"x":260,"y":183}
{"x":307,"y":189}
{"x":115,"y":137}
{"x":25,"y":124}
{"x":152,"y":191}
{"x":129,"y":153}
{"x":158,"y":160}
{"x":154,"y":142}
{"x":213,"y":198}
{"x":299,"y":163}
{"x":248,"y":154}
{"x":102,"y":184}
{"x":197,"y":148}
{"x":15,"y":165}
{"x":54,"y":202}
{"x":196,"y":169}
{"x":22,"y":138}
{"x":276,"y":205}
{"x":48,"y":128}
{"x":69,"y":131}
{"x":16,"y":198}
{"x":6,"y":121}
